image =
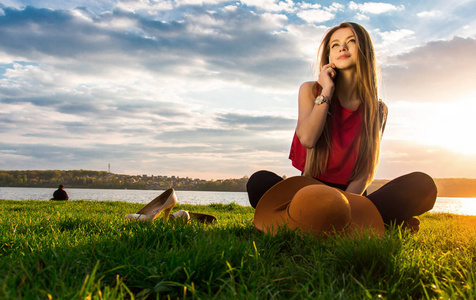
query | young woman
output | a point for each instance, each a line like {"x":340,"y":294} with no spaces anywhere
{"x":339,"y":128}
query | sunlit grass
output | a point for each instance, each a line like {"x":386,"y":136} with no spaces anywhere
{"x":81,"y":249}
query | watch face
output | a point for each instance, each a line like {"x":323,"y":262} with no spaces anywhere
{"x":320,"y":99}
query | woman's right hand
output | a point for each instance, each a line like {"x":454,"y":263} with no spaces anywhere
{"x":312,"y":117}
{"x":326,"y":79}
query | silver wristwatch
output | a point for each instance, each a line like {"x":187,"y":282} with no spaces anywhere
{"x":322,"y":99}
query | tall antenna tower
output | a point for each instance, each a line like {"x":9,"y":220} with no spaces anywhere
{"x":109,"y":168}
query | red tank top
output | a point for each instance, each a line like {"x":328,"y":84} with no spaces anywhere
{"x":345,"y":137}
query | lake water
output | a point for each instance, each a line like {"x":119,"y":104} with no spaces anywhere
{"x":460,"y":206}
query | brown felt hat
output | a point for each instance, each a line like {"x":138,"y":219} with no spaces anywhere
{"x":305,"y":203}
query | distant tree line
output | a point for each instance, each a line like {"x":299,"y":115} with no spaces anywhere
{"x":106,"y":180}
{"x":447,"y":187}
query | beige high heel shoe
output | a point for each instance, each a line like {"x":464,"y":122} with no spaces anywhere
{"x":163,"y":203}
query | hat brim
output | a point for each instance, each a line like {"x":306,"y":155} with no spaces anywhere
{"x":272,"y":210}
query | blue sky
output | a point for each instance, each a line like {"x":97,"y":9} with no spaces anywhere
{"x":208,"y":89}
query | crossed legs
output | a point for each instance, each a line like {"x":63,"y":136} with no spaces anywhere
{"x":399,"y":200}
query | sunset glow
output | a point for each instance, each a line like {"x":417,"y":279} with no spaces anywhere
{"x":446,"y":125}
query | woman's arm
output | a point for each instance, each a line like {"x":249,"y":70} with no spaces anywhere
{"x":312,"y":117}
{"x":358,"y":186}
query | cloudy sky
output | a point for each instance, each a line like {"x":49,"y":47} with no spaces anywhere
{"x":208,"y":88}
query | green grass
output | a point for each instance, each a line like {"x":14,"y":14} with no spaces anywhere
{"x":84,"y":249}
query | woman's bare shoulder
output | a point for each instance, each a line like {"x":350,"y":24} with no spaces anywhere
{"x":309,"y":85}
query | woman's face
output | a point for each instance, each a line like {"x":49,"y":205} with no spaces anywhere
{"x":343,"y":49}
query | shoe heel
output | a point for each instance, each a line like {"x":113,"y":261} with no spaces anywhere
{"x":167,"y":213}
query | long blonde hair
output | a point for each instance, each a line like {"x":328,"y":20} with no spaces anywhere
{"x":367,"y":91}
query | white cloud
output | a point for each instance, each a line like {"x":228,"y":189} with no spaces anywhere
{"x":430,"y":14}
{"x":154,"y":6}
{"x":307,"y":38}
{"x":315,"y":15}
{"x":120,"y":23}
{"x":275,"y":20}
{"x":144,"y":5}
{"x":230,"y":8}
{"x":391,"y":43}
{"x":12,"y":3}
{"x":199,"y":2}
{"x":468,"y":31}
{"x":336,"y":7}
{"x":396,"y":35}
{"x":271,"y":5}
{"x":374,"y":7}
{"x":205,"y":24}
{"x":361,"y":17}
{"x":305,"y":5}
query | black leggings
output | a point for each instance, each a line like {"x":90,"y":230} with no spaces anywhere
{"x":400,"y":199}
